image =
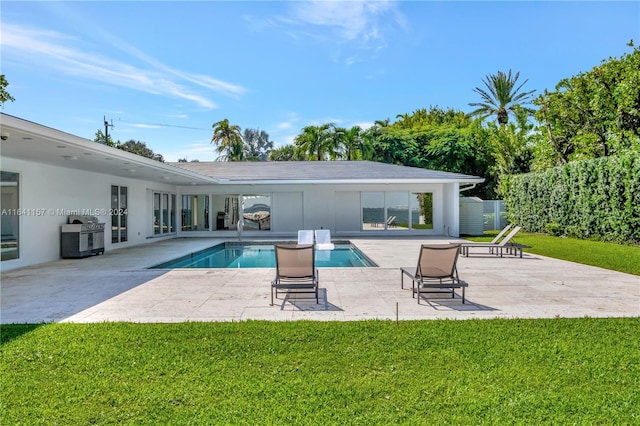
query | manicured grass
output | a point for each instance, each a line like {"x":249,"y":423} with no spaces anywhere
{"x":554,"y":371}
{"x":617,"y":257}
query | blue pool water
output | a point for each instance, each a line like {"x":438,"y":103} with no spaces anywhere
{"x":256,"y":255}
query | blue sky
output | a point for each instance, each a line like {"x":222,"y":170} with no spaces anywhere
{"x":164,"y":72}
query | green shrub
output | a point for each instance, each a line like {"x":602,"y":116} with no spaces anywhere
{"x":553,"y":228}
{"x":595,"y":199}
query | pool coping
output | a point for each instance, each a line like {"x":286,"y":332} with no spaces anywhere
{"x":371,"y":263}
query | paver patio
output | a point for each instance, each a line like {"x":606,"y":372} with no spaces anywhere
{"x":118,"y":287}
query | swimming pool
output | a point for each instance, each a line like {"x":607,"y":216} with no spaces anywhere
{"x":262,"y":255}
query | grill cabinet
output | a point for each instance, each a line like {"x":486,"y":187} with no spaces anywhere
{"x":82,"y":236}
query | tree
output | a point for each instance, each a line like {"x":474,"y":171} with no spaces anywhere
{"x":351,"y":142}
{"x":228,"y":141}
{"x":257,"y":144}
{"x":285,"y":153}
{"x":501,"y":97}
{"x":318,"y":142}
{"x":4,"y":95}
{"x":99,"y":137}
{"x":434,"y":116}
{"x":437,"y":139}
{"x":594,"y":114}
{"x":140,"y":148}
{"x":132,"y":146}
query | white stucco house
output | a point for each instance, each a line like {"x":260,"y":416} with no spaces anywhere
{"x":48,"y":175}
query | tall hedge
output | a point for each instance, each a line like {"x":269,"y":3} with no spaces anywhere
{"x":597,"y":198}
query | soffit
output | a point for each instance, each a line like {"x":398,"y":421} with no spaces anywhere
{"x":29,"y":141}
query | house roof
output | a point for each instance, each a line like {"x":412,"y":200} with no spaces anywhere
{"x":321,"y":172}
{"x":29,"y":141}
{"x":26,"y":140}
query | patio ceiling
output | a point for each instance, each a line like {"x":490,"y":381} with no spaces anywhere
{"x":25,"y":140}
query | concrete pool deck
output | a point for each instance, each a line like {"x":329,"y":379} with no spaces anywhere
{"x":117,"y":286}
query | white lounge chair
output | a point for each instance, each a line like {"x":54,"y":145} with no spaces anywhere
{"x":305,"y":236}
{"x":323,"y":239}
{"x":497,"y":248}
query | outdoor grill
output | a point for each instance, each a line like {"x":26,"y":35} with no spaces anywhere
{"x":82,"y":236}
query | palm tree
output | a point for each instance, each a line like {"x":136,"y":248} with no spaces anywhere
{"x":501,"y":97}
{"x":382,"y":123}
{"x":351,"y":141}
{"x":228,"y":140}
{"x":317,"y":141}
{"x":284,"y":153}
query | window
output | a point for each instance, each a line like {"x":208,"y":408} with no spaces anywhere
{"x":10,"y":203}
{"x":422,"y":210}
{"x":163,"y":213}
{"x":156,"y":214}
{"x":397,"y":206}
{"x":256,"y":212}
{"x":119,"y":214}
{"x":172,"y":214}
{"x":395,"y":210}
{"x":195,"y":213}
{"x":227,"y":210}
{"x":373,"y":217}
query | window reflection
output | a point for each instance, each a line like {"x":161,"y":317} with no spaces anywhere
{"x":396,"y":210}
{"x":119,"y":214}
{"x":156,"y":214}
{"x":163,"y":213}
{"x":227,"y":208}
{"x":10,"y":215}
{"x":195,"y":213}
{"x":373,"y":217}
{"x":422,"y":210}
{"x":256,"y":212}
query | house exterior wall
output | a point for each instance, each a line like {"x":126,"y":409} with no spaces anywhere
{"x":336,"y":207}
{"x":48,"y":193}
{"x":451,"y":206}
{"x":288,"y":210}
{"x":58,"y":191}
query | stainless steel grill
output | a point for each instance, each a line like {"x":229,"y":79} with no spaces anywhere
{"x":82,"y":236}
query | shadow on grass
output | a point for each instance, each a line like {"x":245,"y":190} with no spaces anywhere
{"x":9,"y":332}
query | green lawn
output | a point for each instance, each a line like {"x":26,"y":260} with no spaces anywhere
{"x":617,"y":257}
{"x":554,"y":371}
{"x":546,"y":371}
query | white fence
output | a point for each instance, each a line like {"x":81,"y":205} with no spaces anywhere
{"x":495,"y":214}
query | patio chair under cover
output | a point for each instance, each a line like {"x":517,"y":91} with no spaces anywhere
{"x":496,"y":248}
{"x":323,"y":239}
{"x":305,"y":236}
{"x":436,"y":269}
{"x":295,"y":269}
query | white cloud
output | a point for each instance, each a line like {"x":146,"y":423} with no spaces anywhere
{"x":360,"y":22}
{"x":60,"y":52}
{"x":194,"y":151}
{"x":364,"y":125}
{"x":145,"y":126}
{"x":289,"y":122}
{"x":285,"y":125}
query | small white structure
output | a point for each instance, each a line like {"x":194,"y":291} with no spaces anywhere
{"x":471,"y":216}
{"x":48,"y":175}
